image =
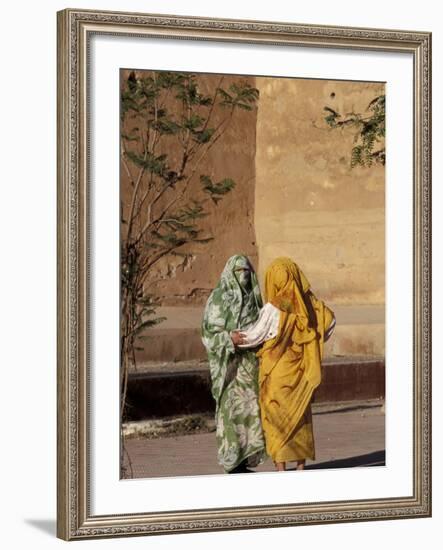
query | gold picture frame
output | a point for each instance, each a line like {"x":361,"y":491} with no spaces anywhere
{"x":74,"y":518}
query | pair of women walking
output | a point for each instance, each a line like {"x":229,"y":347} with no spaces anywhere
{"x":265,"y":363}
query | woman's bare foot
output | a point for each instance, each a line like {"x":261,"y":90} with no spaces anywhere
{"x":300,"y":465}
{"x":281,"y":466}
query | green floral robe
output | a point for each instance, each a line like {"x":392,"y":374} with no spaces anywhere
{"x":234,"y":372}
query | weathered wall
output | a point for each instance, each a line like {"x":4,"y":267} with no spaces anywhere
{"x":296,"y":195}
{"x":230,"y":223}
{"x":309,"y":204}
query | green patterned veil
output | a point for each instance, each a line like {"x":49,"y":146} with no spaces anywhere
{"x":234,"y":376}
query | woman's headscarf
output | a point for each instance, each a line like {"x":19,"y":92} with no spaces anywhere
{"x":285,"y":285}
{"x":230,"y":301}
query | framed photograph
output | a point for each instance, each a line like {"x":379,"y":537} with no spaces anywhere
{"x":244,"y":283}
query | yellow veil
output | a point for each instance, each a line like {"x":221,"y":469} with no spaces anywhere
{"x":297,"y":350}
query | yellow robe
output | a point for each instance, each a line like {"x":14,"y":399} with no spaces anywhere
{"x":290,"y":363}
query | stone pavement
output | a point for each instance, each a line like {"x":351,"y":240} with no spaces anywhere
{"x":346,"y":435}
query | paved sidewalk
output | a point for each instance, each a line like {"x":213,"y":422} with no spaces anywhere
{"x":345,"y":436}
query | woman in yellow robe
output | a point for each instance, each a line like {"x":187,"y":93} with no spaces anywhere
{"x":290,"y":363}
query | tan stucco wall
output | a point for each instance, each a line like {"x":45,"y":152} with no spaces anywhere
{"x":309,"y":204}
{"x":296,"y":195}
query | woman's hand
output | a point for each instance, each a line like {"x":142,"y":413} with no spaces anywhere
{"x":237,"y":338}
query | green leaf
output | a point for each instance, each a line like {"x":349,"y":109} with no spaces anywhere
{"x":193,"y":122}
{"x":356,"y":157}
{"x":216,"y":190}
{"x":204,"y":136}
{"x":153,"y":164}
{"x":166,"y":126}
{"x":130,"y":138}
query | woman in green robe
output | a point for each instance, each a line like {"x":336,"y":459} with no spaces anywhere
{"x":234,"y":304}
